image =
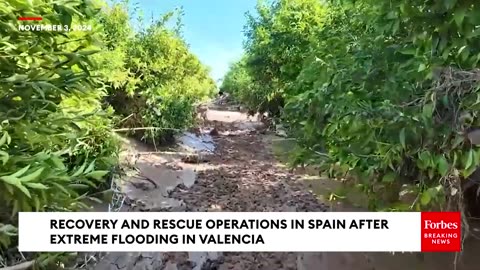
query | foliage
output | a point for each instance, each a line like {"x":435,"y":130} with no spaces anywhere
{"x":277,"y":40}
{"x":164,"y":80}
{"x":385,"y":89}
{"x":238,"y":82}
{"x":55,"y":139}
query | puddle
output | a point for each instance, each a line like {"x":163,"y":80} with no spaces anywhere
{"x":193,"y":143}
{"x":155,"y":173}
{"x":151,"y":174}
{"x":151,"y":186}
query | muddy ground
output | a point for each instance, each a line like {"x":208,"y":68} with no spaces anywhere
{"x":228,"y":165}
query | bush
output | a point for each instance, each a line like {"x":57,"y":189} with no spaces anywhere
{"x":239,"y":84}
{"x":277,"y":42}
{"x":56,"y":141}
{"x":385,"y":91}
{"x":164,"y":82}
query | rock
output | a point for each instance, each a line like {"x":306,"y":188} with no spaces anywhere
{"x":214,"y":132}
{"x":280,"y":131}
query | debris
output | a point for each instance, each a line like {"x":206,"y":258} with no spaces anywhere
{"x":214,"y":132}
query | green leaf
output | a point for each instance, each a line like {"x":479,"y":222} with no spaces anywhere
{"x":97,"y":200}
{"x":89,"y":52}
{"x":21,"y":172}
{"x":3,"y":139}
{"x":469,"y":161}
{"x":79,"y":171}
{"x":12,"y":180}
{"x":57,"y":162}
{"x":78,"y":186}
{"x":408,"y":51}
{"x":36,"y":185}
{"x":4,"y":157}
{"x":23,"y":189}
{"x":37,"y":204}
{"x":425,"y":198}
{"x":32,"y":176}
{"x":97,"y":175}
{"x":16,"y":78}
{"x":422,"y":67}
{"x":66,"y":19}
{"x":442,"y":166}
{"x":90,"y":167}
{"x":459,"y":15}
{"x":449,"y":3}
{"x":62,"y":188}
{"x":425,"y":157}
{"x":428,"y":110}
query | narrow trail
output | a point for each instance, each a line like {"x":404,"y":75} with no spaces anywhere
{"x":246,"y":177}
{"x":235,"y":170}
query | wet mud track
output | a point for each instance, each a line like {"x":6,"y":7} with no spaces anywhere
{"x":240,"y":174}
{"x":247,"y":179}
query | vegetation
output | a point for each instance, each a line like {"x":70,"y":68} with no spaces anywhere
{"x":159,"y":77}
{"x":62,"y":94}
{"x":380,"y":93}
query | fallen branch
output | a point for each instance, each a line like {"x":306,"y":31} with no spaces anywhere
{"x":20,"y":266}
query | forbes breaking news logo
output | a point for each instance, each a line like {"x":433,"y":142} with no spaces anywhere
{"x":441,"y":231}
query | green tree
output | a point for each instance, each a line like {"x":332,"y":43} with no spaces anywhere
{"x":56,"y":141}
{"x":277,"y":41}
{"x":386,"y":90}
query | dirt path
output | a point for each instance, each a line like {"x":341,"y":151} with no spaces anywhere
{"x":246,"y":178}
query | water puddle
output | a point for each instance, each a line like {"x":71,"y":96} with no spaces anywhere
{"x":154,"y":173}
{"x":151,"y":173}
{"x":196,"y":143}
{"x":151,"y":185}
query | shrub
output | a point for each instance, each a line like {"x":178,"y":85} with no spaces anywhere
{"x":384,"y":91}
{"x":56,"y":141}
{"x":165,"y":80}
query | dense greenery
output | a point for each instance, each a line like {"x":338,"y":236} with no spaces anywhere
{"x":379,"y":92}
{"x":163,"y":80}
{"x":56,"y":92}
